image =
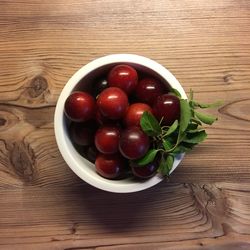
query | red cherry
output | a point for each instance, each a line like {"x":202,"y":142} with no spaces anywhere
{"x":144,"y":172}
{"x":148,"y":89}
{"x":107,"y":139}
{"x":134,"y":113}
{"x":83,"y":133}
{"x":80,"y":107}
{"x":134,"y":143}
{"x":112,"y":103}
{"x":100,"y":85}
{"x":124,"y":77}
{"x":91,"y":153}
{"x":110,"y":166}
{"x":102,"y":119}
{"x":168,"y":107}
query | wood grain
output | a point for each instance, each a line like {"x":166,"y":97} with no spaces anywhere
{"x":79,"y":217}
{"x":43,"y":205}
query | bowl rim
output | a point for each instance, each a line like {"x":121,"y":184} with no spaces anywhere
{"x":65,"y":145}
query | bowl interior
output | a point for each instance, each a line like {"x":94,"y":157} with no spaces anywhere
{"x":83,"y":80}
{"x":86,"y":83}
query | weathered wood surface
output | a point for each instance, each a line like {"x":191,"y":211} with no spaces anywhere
{"x":43,"y":205}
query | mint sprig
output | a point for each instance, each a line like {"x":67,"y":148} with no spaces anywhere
{"x":180,"y":137}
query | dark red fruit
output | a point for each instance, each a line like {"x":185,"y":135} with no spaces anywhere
{"x":102,"y":119}
{"x":80,"y":107}
{"x":146,"y":171}
{"x":83,"y":133}
{"x":124,"y":77}
{"x":168,"y":107}
{"x":134,"y":143}
{"x":100,"y":85}
{"x":148,"y":89}
{"x":112,"y":103}
{"x":110,"y":166}
{"x":107,"y":139}
{"x":134,"y":113}
{"x":91,"y":153}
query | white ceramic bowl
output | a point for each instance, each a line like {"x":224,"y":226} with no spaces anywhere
{"x":81,"y":80}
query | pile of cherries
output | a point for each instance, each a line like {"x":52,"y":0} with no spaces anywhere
{"x":105,"y":122}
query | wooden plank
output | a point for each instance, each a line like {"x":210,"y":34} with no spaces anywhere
{"x":194,"y":41}
{"x":43,"y":205}
{"x":86,"y":217}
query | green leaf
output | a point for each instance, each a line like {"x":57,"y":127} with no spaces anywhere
{"x":172,"y":139}
{"x":172,"y":128}
{"x":180,"y":138}
{"x":148,"y":157}
{"x":191,"y":131}
{"x":187,"y":145}
{"x":192,"y":126}
{"x":161,"y":165}
{"x":181,"y":149}
{"x":166,"y":164}
{"x":170,"y":162}
{"x":150,"y":125}
{"x":195,"y":138}
{"x":175,"y":92}
{"x":195,"y":120}
{"x":206,"y":105}
{"x":185,"y":115}
{"x":207,"y":119}
{"x":167,"y":145}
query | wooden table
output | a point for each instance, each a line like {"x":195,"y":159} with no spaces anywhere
{"x":44,"y":205}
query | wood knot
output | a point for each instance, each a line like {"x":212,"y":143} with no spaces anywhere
{"x":209,"y":198}
{"x":2,"y":121}
{"x":23,"y":160}
{"x":8,"y":118}
{"x":74,"y":228}
{"x":228,"y":78}
{"x":38,"y":85}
